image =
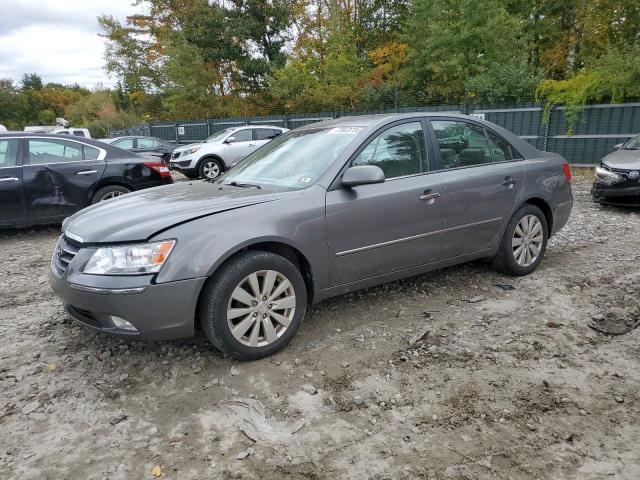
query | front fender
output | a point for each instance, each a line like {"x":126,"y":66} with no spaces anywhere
{"x":205,"y":243}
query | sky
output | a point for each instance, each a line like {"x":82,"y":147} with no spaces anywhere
{"x":57,"y":39}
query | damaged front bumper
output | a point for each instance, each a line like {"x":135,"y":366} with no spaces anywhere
{"x":623,"y":194}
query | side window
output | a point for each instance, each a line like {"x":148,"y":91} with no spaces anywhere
{"x":156,"y":143}
{"x":79,"y":133}
{"x":245,"y":135}
{"x":8,"y":153}
{"x":398,"y":151}
{"x":461,"y":144}
{"x":90,"y":153}
{"x":500,"y":149}
{"x":53,"y":151}
{"x":145,"y":143}
{"x":266,"y":133}
{"x":126,"y":143}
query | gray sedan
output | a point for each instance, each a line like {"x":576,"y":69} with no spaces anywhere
{"x":320,"y":211}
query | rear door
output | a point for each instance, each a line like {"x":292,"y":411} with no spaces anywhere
{"x":60,"y":176}
{"x":12,"y":209}
{"x":482,"y":178}
{"x":382,"y":228}
{"x":265,"y":135}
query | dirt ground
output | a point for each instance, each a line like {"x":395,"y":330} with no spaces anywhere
{"x":462,"y":374}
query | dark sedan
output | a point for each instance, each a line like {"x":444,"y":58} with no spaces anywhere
{"x":618,"y":176}
{"x":45,"y":178}
{"x":145,"y":145}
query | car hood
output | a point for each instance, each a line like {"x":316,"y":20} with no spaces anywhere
{"x":138,"y":216}
{"x":182,"y":148}
{"x":623,"y":159}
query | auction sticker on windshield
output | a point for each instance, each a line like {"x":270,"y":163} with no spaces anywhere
{"x":346,"y":130}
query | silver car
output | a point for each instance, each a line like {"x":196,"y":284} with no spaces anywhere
{"x":320,"y":211}
{"x":222,"y":150}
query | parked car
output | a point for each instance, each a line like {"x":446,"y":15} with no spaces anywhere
{"x":78,"y":132}
{"x":618,"y":176}
{"x":45,"y":178}
{"x":221,"y":150}
{"x":145,"y":145}
{"x":320,"y":211}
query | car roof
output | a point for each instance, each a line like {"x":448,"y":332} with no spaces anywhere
{"x":240,"y":127}
{"x":113,"y":152}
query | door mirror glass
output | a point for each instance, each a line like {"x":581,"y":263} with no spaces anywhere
{"x":230,"y":140}
{"x":362,"y":175}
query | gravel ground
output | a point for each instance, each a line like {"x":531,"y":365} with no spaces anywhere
{"x":445,"y":375}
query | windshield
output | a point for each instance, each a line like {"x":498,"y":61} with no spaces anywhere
{"x":634,"y":144}
{"x":218,"y":137}
{"x":294,"y":160}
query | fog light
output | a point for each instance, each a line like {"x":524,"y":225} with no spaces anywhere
{"x":122,"y":324}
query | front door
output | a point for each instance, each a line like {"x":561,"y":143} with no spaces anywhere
{"x":59,"y":177}
{"x":482,"y":180}
{"x":12,"y":208}
{"x":386,"y":227}
{"x":243,"y":146}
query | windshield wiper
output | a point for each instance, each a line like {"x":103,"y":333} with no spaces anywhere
{"x":244,"y":185}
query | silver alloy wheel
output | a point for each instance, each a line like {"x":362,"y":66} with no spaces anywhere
{"x":211,"y":169}
{"x":527,"y":240}
{"x":261,"y":308}
{"x":110,"y":195}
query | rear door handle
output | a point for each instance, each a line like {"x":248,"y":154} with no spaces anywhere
{"x":429,"y":196}
{"x":9,"y":179}
{"x":87,"y":172}
{"x":509,"y":182}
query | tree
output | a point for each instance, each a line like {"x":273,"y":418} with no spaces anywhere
{"x":31,"y":81}
{"x":454,"y":45}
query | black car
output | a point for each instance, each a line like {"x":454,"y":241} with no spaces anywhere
{"x":618,"y":176}
{"x":45,"y":178}
{"x":147,"y":145}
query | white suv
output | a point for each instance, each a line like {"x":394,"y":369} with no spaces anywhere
{"x":222,"y":150}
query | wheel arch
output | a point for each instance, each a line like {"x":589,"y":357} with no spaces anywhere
{"x":543,"y":205}
{"x":278,"y":247}
{"x":212,"y":156}
{"x":109,"y":183}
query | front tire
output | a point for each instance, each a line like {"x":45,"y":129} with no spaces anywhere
{"x":524,"y":242}
{"x":210,"y":168}
{"x":254,"y":305}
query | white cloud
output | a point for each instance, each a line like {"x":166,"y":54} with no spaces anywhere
{"x":56,"y":39}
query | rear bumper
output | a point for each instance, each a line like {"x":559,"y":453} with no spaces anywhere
{"x":624,"y":195}
{"x":158,"y":312}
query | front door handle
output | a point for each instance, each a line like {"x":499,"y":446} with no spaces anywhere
{"x":87,"y":172}
{"x":509,"y":182}
{"x":429,"y":196}
{"x":9,"y":179}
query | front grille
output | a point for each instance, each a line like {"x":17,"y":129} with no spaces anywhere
{"x":63,"y":254}
{"x":175,"y":154}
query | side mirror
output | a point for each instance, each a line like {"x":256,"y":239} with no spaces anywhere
{"x":618,"y":146}
{"x":362,"y":175}
{"x":230,"y":140}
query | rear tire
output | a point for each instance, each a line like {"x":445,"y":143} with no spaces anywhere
{"x":210,"y":168}
{"x":524,"y":242}
{"x":248,"y":324}
{"x":109,"y":192}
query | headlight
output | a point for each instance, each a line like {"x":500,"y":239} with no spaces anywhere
{"x":607,"y":177}
{"x":136,"y":259}
{"x":190,"y":151}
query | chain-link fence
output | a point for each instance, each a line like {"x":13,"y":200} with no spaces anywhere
{"x":599,"y":128}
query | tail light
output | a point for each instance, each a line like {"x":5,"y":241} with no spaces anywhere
{"x":159,"y":167}
{"x":567,"y":172}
